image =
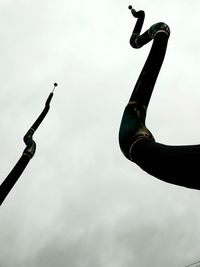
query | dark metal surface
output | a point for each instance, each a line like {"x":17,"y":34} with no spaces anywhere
{"x":27,"y":154}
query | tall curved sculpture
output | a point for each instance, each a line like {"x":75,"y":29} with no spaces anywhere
{"x":177,"y":165}
{"x":27,"y":154}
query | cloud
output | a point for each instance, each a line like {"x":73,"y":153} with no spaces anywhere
{"x":80,"y":202}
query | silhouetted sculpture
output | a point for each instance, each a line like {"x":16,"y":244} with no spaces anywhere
{"x":178,"y":165}
{"x":28,"y":153}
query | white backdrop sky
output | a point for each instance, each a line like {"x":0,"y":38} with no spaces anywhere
{"x":80,"y":203}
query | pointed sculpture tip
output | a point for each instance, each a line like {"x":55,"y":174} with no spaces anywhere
{"x":133,"y":11}
{"x":55,"y":84}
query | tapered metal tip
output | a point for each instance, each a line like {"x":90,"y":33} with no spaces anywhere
{"x":55,"y":84}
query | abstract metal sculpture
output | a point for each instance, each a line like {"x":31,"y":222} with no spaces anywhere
{"x":177,"y":165}
{"x":27,"y":154}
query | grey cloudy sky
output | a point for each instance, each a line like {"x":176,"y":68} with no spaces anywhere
{"x":80,"y":203}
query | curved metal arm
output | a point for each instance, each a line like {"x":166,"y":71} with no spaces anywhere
{"x":137,"y":40}
{"x":174,"y":164}
{"x":28,"y":153}
{"x":159,"y":33}
{"x":30,"y":143}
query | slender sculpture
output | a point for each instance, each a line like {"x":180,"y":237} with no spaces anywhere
{"x":27,"y":154}
{"x":177,"y":165}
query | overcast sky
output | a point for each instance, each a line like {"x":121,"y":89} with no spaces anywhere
{"x":80,"y":202}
